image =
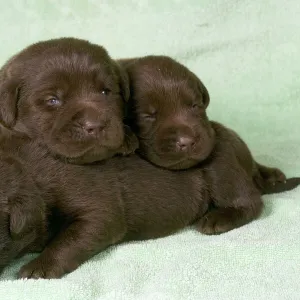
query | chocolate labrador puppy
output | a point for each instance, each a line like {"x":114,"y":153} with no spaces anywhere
{"x":168,"y":114}
{"x":69,"y":95}
{"x":125,"y":198}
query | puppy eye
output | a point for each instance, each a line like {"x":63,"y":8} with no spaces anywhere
{"x":149,"y":117}
{"x":54,"y":101}
{"x":105,"y":92}
{"x":197,"y":106}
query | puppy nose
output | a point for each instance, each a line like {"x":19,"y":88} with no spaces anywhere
{"x":184,"y":143}
{"x":91,"y":127}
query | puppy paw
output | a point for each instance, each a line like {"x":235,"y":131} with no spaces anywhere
{"x":40,"y":268}
{"x":273,"y":175}
{"x":131,"y":142}
{"x":217,"y":222}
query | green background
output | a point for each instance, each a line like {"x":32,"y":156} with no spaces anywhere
{"x":248,"y":55}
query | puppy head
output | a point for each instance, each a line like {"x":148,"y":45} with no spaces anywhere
{"x":168,"y":112}
{"x":68,"y":94}
{"x":22,"y":212}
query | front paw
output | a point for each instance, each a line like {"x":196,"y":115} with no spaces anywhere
{"x":274,"y":175}
{"x":216,"y":222}
{"x":41,"y":268}
{"x":131,"y":142}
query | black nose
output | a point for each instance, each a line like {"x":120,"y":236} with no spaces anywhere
{"x":185,"y":143}
{"x":91,"y":127}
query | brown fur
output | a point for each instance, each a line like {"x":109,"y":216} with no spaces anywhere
{"x":69,"y":95}
{"x":126,"y":198}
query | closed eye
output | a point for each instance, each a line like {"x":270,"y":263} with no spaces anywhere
{"x":197,"y":105}
{"x":149,"y":117}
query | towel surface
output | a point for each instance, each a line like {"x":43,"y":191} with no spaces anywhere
{"x":247,"y":52}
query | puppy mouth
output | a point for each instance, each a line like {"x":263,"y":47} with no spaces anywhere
{"x":78,"y":149}
{"x":72,"y":142}
{"x":185,"y":162}
{"x":172,"y":162}
{"x":172,"y":158}
{"x":195,"y":152}
{"x":75,"y":149}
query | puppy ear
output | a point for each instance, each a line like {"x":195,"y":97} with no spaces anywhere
{"x":8,"y":97}
{"x":204,"y":92}
{"x":123,"y":81}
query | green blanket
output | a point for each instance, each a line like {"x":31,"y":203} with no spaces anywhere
{"x":247,"y":52}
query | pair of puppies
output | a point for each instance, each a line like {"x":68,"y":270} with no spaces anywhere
{"x":63,"y":101}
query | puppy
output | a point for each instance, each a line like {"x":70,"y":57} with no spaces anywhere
{"x":126,"y":198}
{"x":69,"y":95}
{"x":168,"y":114}
{"x":22,"y":212}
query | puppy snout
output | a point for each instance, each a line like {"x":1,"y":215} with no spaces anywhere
{"x":185,"y":143}
{"x":92,"y":127}
{"x":89,"y":122}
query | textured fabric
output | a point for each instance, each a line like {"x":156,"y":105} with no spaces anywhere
{"x":247,"y":54}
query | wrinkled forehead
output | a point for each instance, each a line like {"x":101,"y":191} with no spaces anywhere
{"x":163,"y":91}
{"x":69,"y":71}
{"x":169,"y":74}
{"x":73,"y":62}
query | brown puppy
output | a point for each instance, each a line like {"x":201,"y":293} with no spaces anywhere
{"x":168,"y":113}
{"x":68,"y":94}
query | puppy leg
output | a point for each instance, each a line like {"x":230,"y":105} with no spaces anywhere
{"x":74,"y":245}
{"x":236,"y":202}
{"x":223,"y":219}
{"x":20,"y":198}
{"x":22,"y":212}
{"x":5,"y":255}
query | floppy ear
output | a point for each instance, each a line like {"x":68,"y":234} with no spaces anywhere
{"x":8,"y":97}
{"x":123,"y":81}
{"x":205,"y":94}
